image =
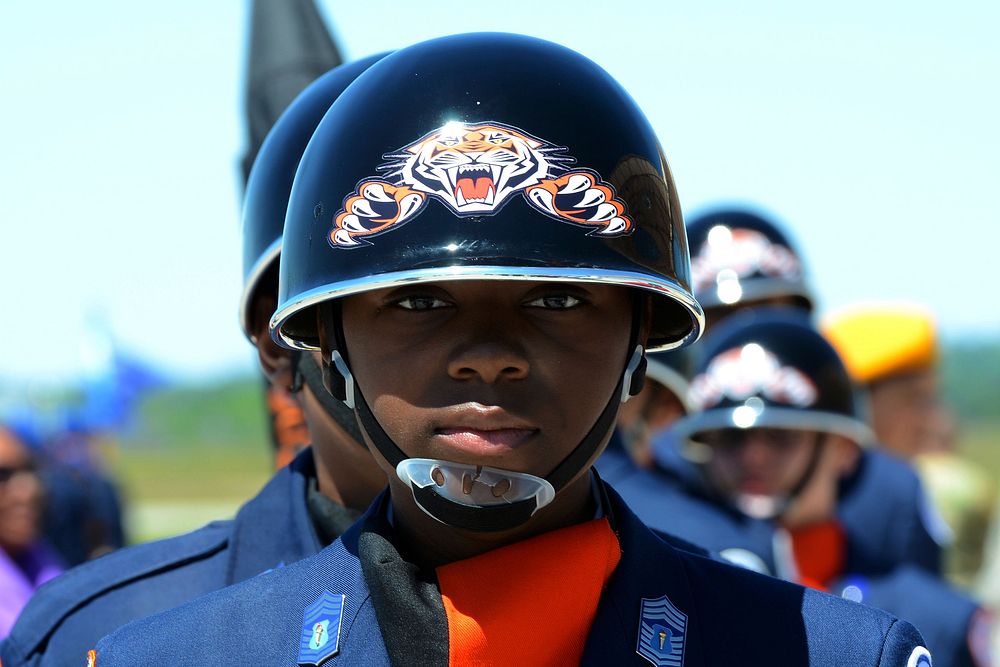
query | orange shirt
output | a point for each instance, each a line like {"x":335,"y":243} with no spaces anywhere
{"x":529,"y":603}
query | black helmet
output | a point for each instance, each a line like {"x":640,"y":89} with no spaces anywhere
{"x":770,"y":368}
{"x":534,"y":164}
{"x":526,"y":162}
{"x":270,"y":180}
{"x":738,"y":257}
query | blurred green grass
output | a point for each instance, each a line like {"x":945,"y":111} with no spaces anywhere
{"x":980,"y":441}
{"x":194,"y":455}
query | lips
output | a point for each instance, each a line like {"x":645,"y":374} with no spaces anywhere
{"x":483,"y":429}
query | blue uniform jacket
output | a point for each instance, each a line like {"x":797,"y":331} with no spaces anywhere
{"x":69,"y":615}
{"x":882,"y":506}
{"x":889,"y":517}
{"x":672,"y":498}
{"x":718,"y":615}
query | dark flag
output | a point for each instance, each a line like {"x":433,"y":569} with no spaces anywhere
{"x":289,"y":47}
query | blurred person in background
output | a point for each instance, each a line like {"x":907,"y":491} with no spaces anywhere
{"x":775,"y":432}
{"x":645,"y":466}
{"x":85,"y":518}
{"x":741,"y":259}
{"x":26,"y":562}
{"x":304,"y":507}
{"x":891,"y":352}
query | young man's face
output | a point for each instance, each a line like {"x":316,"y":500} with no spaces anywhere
{"x":759,"y":461}
{"x":506,"y":374}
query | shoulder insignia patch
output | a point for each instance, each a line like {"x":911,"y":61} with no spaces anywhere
{"x":920,"y":657}
{"x":661,"y":632}
{"x":321,"y":623}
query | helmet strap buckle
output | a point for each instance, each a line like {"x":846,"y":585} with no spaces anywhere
{"x":634,"y":378}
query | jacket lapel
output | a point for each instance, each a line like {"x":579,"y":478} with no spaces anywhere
{"x":648,"y":605}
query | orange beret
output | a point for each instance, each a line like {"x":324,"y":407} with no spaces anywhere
{"x":879,"y":341}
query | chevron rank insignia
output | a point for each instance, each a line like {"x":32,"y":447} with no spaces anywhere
{"x":321,"y":623}
{"x":661,"y":632}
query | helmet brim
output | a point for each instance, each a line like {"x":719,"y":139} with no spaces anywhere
{"x":691,"y":427}
{"x":266,"y":260}
{"x":678,"y":320}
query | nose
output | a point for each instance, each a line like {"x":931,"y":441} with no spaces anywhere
{"x":755,"y":449}
{"x":489,"y":361}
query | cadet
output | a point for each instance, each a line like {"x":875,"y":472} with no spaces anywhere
{"x":774,"y":426}
{"x":891,"y":352}
{"x":302,"y":509}
{"x":740,"y":259}
{"x":482,"y":239}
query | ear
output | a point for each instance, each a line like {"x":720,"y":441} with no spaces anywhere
{"x":847,"y":454}
{"x":275,"y":361}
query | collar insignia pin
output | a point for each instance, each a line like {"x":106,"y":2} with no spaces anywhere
{"x":661,"y":632}
{"x":321,"y":622}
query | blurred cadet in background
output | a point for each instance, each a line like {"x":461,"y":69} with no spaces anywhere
{"x":304,"y":507}
{"x":26,"y":562}
{"x":644,"y":465}
{"x":774,"y":429}
{"x":891,"y":352}
{"x":84,"y":514}
{"x":287,"y":424}
{"x":741,"y":259}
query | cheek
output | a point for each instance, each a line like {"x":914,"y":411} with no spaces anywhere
{"x":794,"y":464}
{"x":724,"y":469}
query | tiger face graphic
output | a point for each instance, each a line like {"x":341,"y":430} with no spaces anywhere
{"x":474,"y":169}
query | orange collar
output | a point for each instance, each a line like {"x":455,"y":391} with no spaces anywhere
{"x":820,"y":551}
{"x":529,"y":603}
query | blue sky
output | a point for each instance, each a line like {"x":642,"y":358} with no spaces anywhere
{"x":870,"y":130}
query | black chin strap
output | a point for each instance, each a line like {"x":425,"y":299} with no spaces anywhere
{"x":340,"y":413}
{"x":807,"y":476}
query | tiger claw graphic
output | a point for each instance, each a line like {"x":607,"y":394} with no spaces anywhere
{"x":374,"y":207}
{"x":582,"y":198}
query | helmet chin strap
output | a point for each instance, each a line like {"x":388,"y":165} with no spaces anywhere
{"x":481,"y":498}
{"x":338,"y":410}
{"x":761,"y":506}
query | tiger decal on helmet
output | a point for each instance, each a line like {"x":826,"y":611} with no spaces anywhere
{"x":474,"y":169}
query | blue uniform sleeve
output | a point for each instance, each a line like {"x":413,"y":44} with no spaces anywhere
{"x":904,"y":647}
{"x":10,"y":654}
